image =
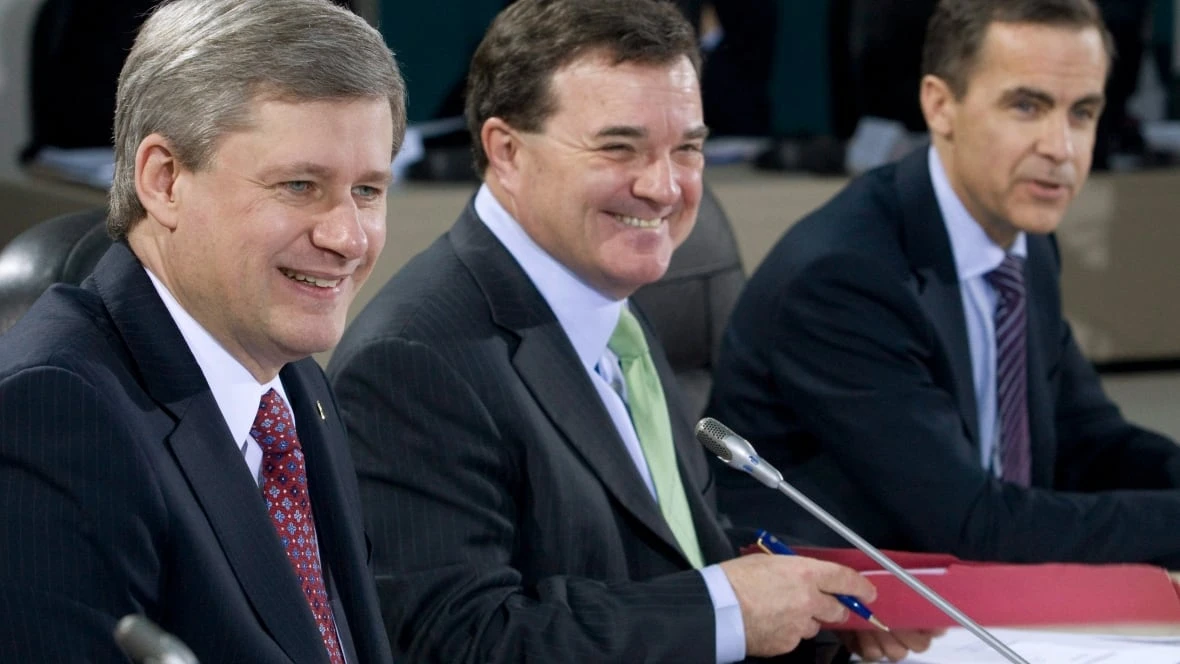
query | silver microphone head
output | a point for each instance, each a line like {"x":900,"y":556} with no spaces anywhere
{"x":146,"y":643}
{"x":736,"y":451}
{"x":710,"y":433}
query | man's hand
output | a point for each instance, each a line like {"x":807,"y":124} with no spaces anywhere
{"x":785,"y":598}
{"x":875,"y":645}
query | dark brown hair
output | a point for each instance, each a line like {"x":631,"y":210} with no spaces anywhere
{"x":531,"y":39}
{"x":956,"y":31}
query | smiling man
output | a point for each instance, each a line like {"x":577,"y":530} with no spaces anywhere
{"x":167,"y":447}
{"x":901,"y":354}
{"x":529,"y":475}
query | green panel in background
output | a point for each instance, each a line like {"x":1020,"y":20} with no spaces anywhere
{"x":800,"y":95}
{"x":433,"y":42}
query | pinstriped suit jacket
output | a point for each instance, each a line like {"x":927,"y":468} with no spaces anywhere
{"x":122,"y":491}
{"x":847,"y":363}
{"x":509,"y":524}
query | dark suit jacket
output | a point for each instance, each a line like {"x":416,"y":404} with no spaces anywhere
{"x":123,"y":492}
{"x":509,"y":523}
{"x":847,"y":365}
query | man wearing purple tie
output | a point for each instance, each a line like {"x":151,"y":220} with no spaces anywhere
{"x":167,"y":445}
{"x":901,"y":354}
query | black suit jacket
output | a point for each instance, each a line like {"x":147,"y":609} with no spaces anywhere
{"x":509,"y":523}
{"x":847,"y":365}
{"x":123,"y":492}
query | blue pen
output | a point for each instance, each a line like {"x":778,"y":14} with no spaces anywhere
{"x":771,"y":544}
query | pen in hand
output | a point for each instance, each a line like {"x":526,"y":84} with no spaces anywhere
{"x":773,"y":545}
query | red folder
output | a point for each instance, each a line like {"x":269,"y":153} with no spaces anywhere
{"x":997,"y":594}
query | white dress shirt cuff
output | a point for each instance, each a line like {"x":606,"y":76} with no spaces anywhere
{"x":731,"y":631}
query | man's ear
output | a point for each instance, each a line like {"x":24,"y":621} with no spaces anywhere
{"x":938,"y":106}
{"x":156,"y":174}
{"x":502,"y":145}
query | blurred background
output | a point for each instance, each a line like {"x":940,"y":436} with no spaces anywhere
{"x":799,"y":94}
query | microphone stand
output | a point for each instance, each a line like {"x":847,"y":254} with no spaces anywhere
{"x":905,"y":577}
{"x":737,"y":452}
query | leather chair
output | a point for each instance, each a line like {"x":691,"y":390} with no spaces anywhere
{"x":689,"y":308}
{"x":63,"y":249}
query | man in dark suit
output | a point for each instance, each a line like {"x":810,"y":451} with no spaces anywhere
{"x":167,"y":447}
{"x":901,"y":354}
{"x":527,"y":468}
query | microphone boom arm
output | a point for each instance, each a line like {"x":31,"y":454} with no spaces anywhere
{"x":736,"y":452}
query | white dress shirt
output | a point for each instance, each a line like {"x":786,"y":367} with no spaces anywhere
{"x":236,"y":391}
{"x":975,"y":256}
{"x":588,"y":319}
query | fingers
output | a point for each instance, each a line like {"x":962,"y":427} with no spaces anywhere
{"x":876,"y":646}
{"x":865,"y":644}
{"x":844,"y":581}
{"x":785,"y":599}
{"x":917,"y":640}
{"x":873,"y":646}
{"x":829,"y":610}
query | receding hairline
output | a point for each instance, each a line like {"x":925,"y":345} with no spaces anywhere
{"x":608,"y":58}
{"x":970,"y":66}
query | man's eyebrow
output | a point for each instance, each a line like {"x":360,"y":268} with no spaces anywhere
{"x":700,"y":132}
{"x":382,"y":175}
{"x":1032,"y":94}
{"x":1096,"y":99}
{"x":301,"y":169}
{"x":621,"y":131}
{"x":296,"y":170}
{"x":627,"y":131}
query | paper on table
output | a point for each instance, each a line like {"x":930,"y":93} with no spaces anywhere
{"x":1040,"y":647}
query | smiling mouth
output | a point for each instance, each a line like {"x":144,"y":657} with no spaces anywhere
{"x":636,"y":222}
{"x":310,"y":280}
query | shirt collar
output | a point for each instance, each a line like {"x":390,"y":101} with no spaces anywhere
{"x":587,"y":316}
{"x":975,"y":253}
{"x":234,"y":389}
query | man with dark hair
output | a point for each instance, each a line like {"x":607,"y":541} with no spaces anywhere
{"x":529,"y":475}
{"x":167,"y":445}
{"x":901,"y":354}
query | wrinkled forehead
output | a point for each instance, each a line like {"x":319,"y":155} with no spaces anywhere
{"x":1067,"y":63}
{"x":597,"y":92}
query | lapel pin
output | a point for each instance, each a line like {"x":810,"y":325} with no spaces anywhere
{"x":319,"y":406}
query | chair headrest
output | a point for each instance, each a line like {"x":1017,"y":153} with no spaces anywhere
{"x":689,"y":307}
{"x":60,"y":250}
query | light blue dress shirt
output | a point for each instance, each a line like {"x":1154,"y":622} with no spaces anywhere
{"x":588,"y":319}
{"x":975,"y":256}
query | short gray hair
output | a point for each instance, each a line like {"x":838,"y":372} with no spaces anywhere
{"x":198,"y":66}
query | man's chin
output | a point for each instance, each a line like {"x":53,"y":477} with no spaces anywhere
{"x":1039,"y":223}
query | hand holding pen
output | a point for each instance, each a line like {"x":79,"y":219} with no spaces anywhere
{"x":773,"y":545}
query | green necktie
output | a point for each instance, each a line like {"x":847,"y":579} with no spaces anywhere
{"x":649,"y":416}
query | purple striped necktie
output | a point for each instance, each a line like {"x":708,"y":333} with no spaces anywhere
{"x":1012,"y":370}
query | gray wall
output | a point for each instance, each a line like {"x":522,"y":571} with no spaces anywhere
{"x":16,"y":25}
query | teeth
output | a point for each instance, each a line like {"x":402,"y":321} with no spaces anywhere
{"x":636,"y":222}
{"x":322,"y":283}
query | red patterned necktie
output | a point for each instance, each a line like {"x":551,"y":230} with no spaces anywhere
{"x":284,"y":485}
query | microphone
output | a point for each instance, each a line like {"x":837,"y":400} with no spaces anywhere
{"x":737,"y":452}
{"x":145,"y":643}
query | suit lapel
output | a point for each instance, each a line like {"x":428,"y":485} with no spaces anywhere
{"x":547,"y":363}
{"x":235,"y":510}
{"x":210,"y":461}
{"x":715,"y":544}
{"x":933,"y":264}
{"x":1038,"y":270}
{"x":340,"y":546}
